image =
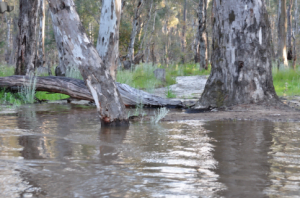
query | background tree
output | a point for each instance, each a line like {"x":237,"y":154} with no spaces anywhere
{"x":27,"y":37}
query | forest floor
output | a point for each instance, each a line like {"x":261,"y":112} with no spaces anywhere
{"x":190,"y":88}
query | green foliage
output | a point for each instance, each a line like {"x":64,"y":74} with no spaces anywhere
{"x":7,"y":98}
{"x":286,"y":82}
{"x":169,"y":93}
{"x":142,"y":77}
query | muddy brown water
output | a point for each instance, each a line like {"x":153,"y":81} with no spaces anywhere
{"x":54,"y":150}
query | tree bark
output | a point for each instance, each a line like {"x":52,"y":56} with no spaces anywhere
{"x":108,"y":38}
{"x":27,"y":37}
{"x":8,"y":48}
{"x":242,"y":56}
{"x":295,"y":32}
{"x":183,"y":39}
{"x":282,"y":30}
{"x":289,"y":30}
{"x":41,"y":47}
{"x":202,"y":34}
{"x":141,"y":50}
{"x":76,"y":89}
{"x":135,"y":25}
{"x":77,"y":47}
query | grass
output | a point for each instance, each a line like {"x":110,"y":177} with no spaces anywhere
{"x":161,"y":113}
{"x":142,"y":76}
{"x":43,"y":95}
{"x":169,"y":93}
{"x":286,"y":82}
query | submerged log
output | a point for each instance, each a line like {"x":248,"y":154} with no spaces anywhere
{"x":77,"y":89}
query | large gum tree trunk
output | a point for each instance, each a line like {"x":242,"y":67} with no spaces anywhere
{"x":79,"y":49}
{"x":27,"y":37}
{"x":108,"y":39}
{"x":242,"y":55}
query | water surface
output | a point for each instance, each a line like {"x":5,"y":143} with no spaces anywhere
{"x":54,"y":150}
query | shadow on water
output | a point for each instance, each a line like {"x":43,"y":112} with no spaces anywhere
{"x":242,"y":150}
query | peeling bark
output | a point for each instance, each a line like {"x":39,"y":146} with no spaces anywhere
{"x":108,"y":38}
{"x":27,"y":37}
{"x":242,"y":56}
{"x":77,"y":47}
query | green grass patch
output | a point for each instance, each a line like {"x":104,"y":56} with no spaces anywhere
{"x":286,"y":82}
{"x":6,"y":70}
{"x":43,"y":95}
{"x":142,"y":76}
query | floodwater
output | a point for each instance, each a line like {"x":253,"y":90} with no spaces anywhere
{"x":54,"y":150}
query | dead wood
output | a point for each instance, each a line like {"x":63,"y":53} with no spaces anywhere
{"x":77,"y":89}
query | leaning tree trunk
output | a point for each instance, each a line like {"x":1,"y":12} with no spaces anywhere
{"x":27,"y":37}
{"x":282,"y":31}
{"x":241,"y":59}
{"x":79,"y":49}
{"x":108,"y":38}
{"x":135,"y":24}
{"x":41,"y":32}
{"x":202,"y":34}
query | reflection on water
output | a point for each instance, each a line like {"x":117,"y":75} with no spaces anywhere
{"x":61,"y":151}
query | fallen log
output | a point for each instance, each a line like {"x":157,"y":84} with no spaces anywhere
{"x":77,"y":89}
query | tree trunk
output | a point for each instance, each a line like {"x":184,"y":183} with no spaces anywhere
{"x":202,"y":33}
{"x":8,"y":48}
{"x":295,"y":33}
{"x":150,"y":40}
{"x":141,"y":50}
{"x":282,"y":30}
{"x":289,"y":28}
{"x":242,"y":56}
{"x":108,"y":38}
{"x":41,"y":48}
{"x":135,"y":25}
{"x":77,"y":47}
{"x":183,"y":39}
{"x":27,"y":37}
